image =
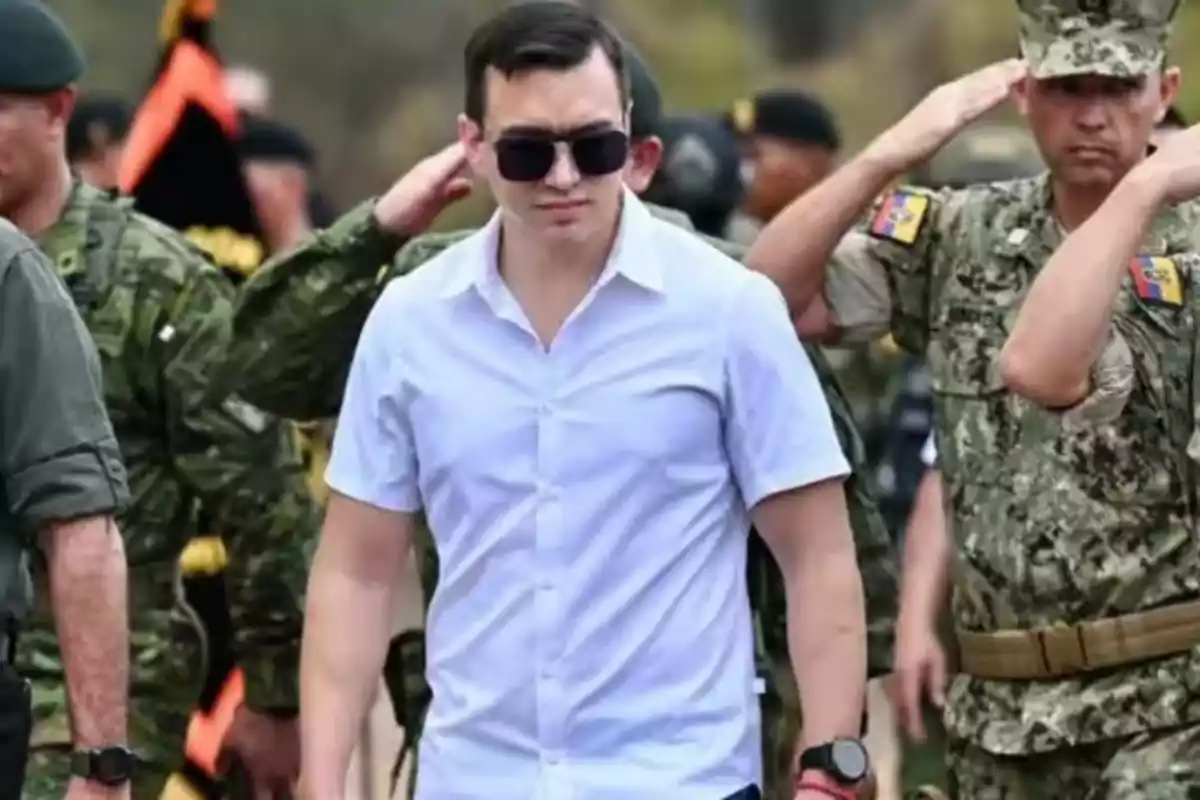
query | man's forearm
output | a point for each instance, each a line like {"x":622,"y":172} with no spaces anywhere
{"x":794,"y":249}
{"x":827,"y":638}
{"x":87,"y":574}
{"x":346,"y":632}
{"x":926,"y":556}
{"x":1064,"y":321}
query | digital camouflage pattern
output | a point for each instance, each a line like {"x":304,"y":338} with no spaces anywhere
{"x":1108,"y":770}
{"x":298,"y":321}
{"x":1057,"y":517}
{"x":160,"y":315}
{"x":1121,"y":38}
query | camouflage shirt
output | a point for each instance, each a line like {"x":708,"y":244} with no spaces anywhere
{"x":1058,"y":516}
{"x":160,"y":316}
{"x":299,"y":317}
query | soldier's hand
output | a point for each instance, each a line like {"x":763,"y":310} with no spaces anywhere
{"x":920,"y":672}
{"x":1175,"y":167}
{"x":944,"y":112}
{"x":82,"y":789}
{"x":268,"y":748}
{"x":414,"y":201}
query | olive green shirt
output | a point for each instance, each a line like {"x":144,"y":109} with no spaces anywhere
{"x":58,"y":457}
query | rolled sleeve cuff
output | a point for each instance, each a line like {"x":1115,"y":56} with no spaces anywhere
{"x":828,"y":467}
{"x":272,"y":680}
{"x":858,"y":298}
{"x":1112,"y":382}
{"x":85,"y":482}
{"x":358,"y":233}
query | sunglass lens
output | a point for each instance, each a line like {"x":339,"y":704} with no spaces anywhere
{"x":600,"y":153}
{"x":522,"y":159}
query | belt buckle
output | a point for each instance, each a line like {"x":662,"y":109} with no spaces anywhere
{"x":1061,"y":650}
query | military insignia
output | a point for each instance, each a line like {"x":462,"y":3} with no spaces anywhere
{"x":900,"y":216}
{"x":1157,"y":280}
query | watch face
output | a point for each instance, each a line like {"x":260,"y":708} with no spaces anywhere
{"x":849,"y":758}
{"x":112,"y":765}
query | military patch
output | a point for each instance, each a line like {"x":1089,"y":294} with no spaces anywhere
{"x":1157,"y":280}
{"x":900,"y":216}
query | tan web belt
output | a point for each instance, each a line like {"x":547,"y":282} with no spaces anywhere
{"x":1061,"y":651}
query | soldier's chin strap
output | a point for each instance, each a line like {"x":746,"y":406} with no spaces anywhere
{"x":202,"y":596}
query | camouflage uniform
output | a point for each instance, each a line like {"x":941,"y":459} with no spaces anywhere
{"x":1062,"y":520}
{"x":297,"y":324}
{"x":160,"y":316}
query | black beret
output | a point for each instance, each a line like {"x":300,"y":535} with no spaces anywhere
{"x":37,"y":53}
{"x":271,"y":140}
{"x":700,"y":173}
{"x":790,"y":115}
{"x":643,"y":91}
{"x":97,"y":121}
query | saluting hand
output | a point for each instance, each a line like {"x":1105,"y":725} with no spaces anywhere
{"x":1174,"y":168}
{"x":944,"y":112}
{"x":414,"y":201}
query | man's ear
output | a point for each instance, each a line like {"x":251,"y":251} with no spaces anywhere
{"x":645,"y":157}
{"x":1021,"y":94}
{"x":60,"y":105}
{"x":470,"y":134}
{"x":1168,"y":91}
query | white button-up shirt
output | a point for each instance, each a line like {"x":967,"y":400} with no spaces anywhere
{"x":590,"y":636}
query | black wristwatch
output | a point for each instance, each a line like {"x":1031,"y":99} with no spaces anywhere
{"x":110,"y":766}
{"x":844,"y":760}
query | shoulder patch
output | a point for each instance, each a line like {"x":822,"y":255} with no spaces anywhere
{"x":1157,"y":279}
{"x":901,"y":216}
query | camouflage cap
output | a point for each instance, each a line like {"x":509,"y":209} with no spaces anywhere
{"x":37,"y":54}
{"x":1118,"y":38}
{"x":983,"y":153}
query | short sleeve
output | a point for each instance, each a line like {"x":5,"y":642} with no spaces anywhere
{"x":779,"y":433}
{"x":374,"y":458}
{"x":1112,"y":380}
{"x":879,"y":278}
{"x":59,"y":459}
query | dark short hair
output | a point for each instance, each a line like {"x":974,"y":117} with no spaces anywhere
{"x":97,"y":121}
{"x":545,"y":34}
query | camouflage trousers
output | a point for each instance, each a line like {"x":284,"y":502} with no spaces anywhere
{"x":1157,"y":765}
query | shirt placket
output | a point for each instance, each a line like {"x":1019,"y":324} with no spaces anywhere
{"x":552,"y":703}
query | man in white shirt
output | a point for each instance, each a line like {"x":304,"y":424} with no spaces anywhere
{"x":590,"y":406}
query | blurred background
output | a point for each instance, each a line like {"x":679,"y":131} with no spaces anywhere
{"x":375,"y":84}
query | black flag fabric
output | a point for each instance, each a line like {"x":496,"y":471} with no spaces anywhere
{"x":181,"y":164}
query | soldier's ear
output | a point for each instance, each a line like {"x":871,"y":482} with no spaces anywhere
{"x":60,"y":104}
{"x":1020,"y":95}
{"x":1168,"y":90}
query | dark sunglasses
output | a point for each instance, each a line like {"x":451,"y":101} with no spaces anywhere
{"x":528,"y":157}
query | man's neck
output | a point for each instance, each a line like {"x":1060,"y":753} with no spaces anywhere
{"x":45,"y":206}
{"x":532,"y":261}
{"x":1073,"y":205}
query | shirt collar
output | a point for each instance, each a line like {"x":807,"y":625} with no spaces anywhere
{"x":632,"y":256}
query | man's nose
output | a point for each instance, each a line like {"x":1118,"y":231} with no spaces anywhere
{"x":564,"y":174}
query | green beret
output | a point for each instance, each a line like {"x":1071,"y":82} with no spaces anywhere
{"x":643,"y":92}
{"x":37,"y":53}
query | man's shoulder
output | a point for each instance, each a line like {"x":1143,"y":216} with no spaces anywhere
{"x":421,"y":249}
{"x":434,"y":264}
{"x":685,"y":253}
{"x":13,"y":246}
